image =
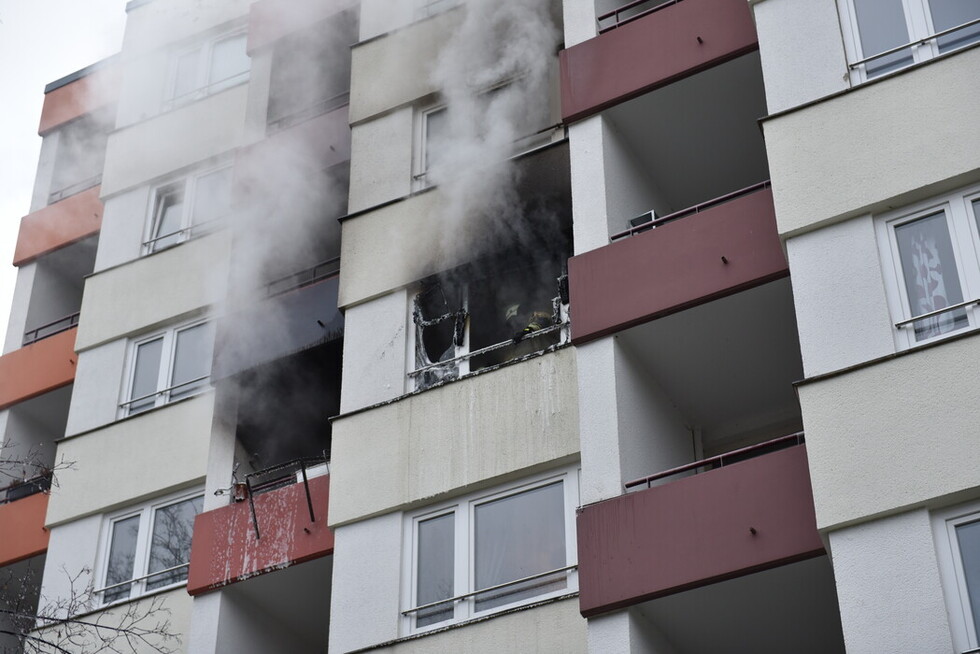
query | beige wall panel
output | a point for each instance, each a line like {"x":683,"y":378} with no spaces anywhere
{"x":381,"y":162}
{"x":174,"y":140}
{"x":130,"y":460}
{"x":155,"y":24}
{"x":449,"y":438}
{"x":555,"y":627}
{"x":154,"y":290}
{"x":393,"y":69}
{"x":878,"y":147}
{"x":893,"y":435}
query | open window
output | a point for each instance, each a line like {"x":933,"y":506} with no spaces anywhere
{"x":187,"y":208}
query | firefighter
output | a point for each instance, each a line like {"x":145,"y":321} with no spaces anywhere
{"x":532,"y":323}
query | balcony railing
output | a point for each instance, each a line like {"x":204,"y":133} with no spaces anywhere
{"x":641,"y":8}
{"x":922,"y":41}
{"x":307,"y":277}
{"x":279,"y":476}
{"x":690,"y":211}
{"x":722,"y":460}
{"x":51,"y":328}
{"x":25,"y":488}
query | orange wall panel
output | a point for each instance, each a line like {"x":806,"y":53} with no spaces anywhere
{"x":37,"y":368}
{"x":80,"y":97}
{"x":58,"y":225}
{"x":22,"y":532}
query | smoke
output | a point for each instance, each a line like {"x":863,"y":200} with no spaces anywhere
{"x":494,"y":76}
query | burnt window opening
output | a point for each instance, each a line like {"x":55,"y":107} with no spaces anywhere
{"x":482,"y":315}
{"x":284,"y":407}
{"x":311,"y":71}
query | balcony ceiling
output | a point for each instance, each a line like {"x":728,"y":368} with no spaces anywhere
{"x":699,"y":138}
{"x":729,"y":365}
{"x":792,"y":608}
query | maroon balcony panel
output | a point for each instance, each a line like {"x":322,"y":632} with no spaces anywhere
{"x":224,"y":549}
{"x":652,"y":51}
{"x":696,"y":531}
{"x":727,"y":248}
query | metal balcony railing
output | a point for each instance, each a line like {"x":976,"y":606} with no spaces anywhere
{"x":690,"y":211}
{"x":722,"y":460}
{"x":51,"y":328}
{"x":638,"y":6}
{"x":25,"y":488}
{"x":280,"y":476}
{"x":922,"y":41}
{"x":307,"y":277}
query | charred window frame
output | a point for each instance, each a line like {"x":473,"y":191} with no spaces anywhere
{"x":311,"y":71}
{"x":465,"y":322}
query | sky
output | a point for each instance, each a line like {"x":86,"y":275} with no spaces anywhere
{"x":40,"y":41}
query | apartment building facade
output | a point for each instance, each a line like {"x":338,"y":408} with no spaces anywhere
{"x":645,"y":337}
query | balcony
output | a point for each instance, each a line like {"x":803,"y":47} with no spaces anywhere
{"x":37,"y":368}
{"x":274,"y":527}
{"x":650,"y":49}
{"x":22,"y":511}
{"x":78,"y":94}
{"x":58,"y":225}
{"x":743,"y":517}
{"x":684,"y":259}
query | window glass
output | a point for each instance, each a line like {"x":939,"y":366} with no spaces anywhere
{"x":185,"y":76}
{"x":167,"y":220}
{"x":192,"y":360}
{"x":122,"y":555}
{"x":435,"y":568}
{"x":170,"y":545}
{"x":228,"y":60}
{"x":929,"y":272}
{"x":881,"y":24}
{"x":947,"y":14}
{"x":212,"y":196}
{"x":436,"y":136}
{"x":519,"y":536}
{"x":968,"y":539}
{"x":146,"y":375}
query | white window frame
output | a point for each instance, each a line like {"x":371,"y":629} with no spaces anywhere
{"x":965,"y":238}
{"x":463,"y":509}
{"x":420,"y":158}
{"x":188,"y":228}
{"x":950,"y":562}
{"x":918,"y":22}
{"x":204,"y":86}
{"x":167,"y":356}
{"x":147,"y":515}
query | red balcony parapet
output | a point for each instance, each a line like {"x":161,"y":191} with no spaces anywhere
{"x":89,"y":92}
{"x":652,"y":51}
{"x":22,"y":532}
{"x":702,"y":256}
{"x":225,"y":548}
{"x":37,"y":368}
{"x":743,"y":518}
{"x":59,"y":224}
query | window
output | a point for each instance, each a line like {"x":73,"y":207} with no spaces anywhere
{"x":886,"y":35}
{"x":148,"y":548}
{"x":79,"y":156}
{"x":483,"y":315}
{"x":187,"y":208}
{"x":491,"y":552}
{"x":311,"y":71}
{"x":168,"y":366}
{"x":957,"y":535}
{"x":930,"y":253}
{"x":207,"y":68}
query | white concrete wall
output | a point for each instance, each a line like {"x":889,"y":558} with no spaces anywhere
{"x":100,"y":374}
{"x":225,"y":622}
{"x":888,"y":586}
{"x":798,"y":69}
{"x":366,"y":588}
{"x":157,"y":24}
{"x":154,"y":290}
{"x":626,"y":632}
{"x":174,"y":140}
{"x":588,"y":179}
{"x":73,"y":549}
{"x":125,"y":220}
{"x":898,"y":434}
{"x":629,"y":427}
{"x":579,"y":20}
{"x":382,"y":16}
{"x":131,"y":460}
{"x":484,"y":429}
{"x":885,"y":144}
{"x":19,"y":305}
{"x":375,"y":351}
{"x":630,"y":189}
{"x":381,"y":159}
{"x":839,"y":293}
{"x":45,"y":171}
